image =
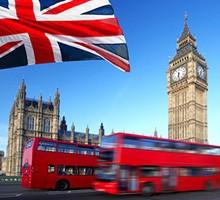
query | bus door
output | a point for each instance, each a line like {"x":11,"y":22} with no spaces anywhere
{"x":169,"y":179}
{"x":128,"y":179}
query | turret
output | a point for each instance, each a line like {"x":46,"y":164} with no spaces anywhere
{"x":22,"y":91}
{"x":101,"y":133}
{"x":155,"y":133}
{"x":56,"y":112}
{"x":87,"y":135}
{"x":40,"y":103}
{"x":73,"y":129}
{"x":21,"y":95}
{"x":57,"y":99}
{"x":63,"y":126}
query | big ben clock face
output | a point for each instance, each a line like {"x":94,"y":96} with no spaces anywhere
{"x":201,"y":73}
{"x":179,"y":73}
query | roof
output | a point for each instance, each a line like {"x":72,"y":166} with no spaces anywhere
{"x":185,"y":50}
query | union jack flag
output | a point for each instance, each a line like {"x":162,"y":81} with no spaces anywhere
{"x":44,"y":31}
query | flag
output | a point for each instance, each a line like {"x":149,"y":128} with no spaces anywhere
{"x":46,"y":31}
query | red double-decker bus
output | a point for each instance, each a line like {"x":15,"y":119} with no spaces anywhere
{"x":52,"y":164}
{"x":131,"y":163}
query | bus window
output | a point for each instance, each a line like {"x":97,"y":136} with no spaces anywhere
{"x":213,"y":151}
{"x":61,"y":170}
{"x":150,"y":171}
{"x":70,"y":170}
{"x":131,"y":142}
{"x":85,"y":171}
{"x":196,"y":171}
{"x":194,"y":147}
{"x":85,"y":151}
{"x":51,"y":169}
{"x":208,"y":171}
{"x":181,"y":146}
{"x":183,"y":172}
{"x":147,"y":144}
{"x":90,"y":171}
{"x":190,"y":171}
{"x":166,"y":145}
{"x":66,"y":170}
{"x":46,"y":146}
{"x":65,"y":148}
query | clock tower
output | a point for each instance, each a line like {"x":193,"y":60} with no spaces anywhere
{"x":187,"y":91}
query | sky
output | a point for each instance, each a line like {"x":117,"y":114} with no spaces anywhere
{"x":94,"y":91}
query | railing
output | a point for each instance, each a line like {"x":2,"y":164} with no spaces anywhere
{"x":10,"y":179}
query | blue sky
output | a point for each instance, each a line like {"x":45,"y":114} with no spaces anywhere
{"x":94,"y":91}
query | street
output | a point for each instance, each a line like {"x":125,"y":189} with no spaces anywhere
{"x":8,"y":192}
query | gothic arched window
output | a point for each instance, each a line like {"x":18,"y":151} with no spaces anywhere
{"x":46,"y":125}
{"x":30,"y":123}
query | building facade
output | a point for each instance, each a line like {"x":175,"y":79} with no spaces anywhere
{"x":37,"y":118}
{"x":187,"y":78}
{"x":29,"y":118}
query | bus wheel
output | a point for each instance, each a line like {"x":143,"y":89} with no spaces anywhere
{"x":148,"y":189}
{"x":62,"y":185}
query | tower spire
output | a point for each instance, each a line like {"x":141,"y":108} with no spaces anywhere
{"x":186,"y":32}
{"x":186,"y":18}
{"x":22,"y":90}
{"x":155,"y":133}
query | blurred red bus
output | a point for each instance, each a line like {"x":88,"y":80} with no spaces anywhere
{"x":131,"y":163}
{"x":52,"y":164}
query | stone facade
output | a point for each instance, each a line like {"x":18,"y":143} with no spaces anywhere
{"x":29,"y":118}
{"x":36,"y":118}
{"x":187,"y":78}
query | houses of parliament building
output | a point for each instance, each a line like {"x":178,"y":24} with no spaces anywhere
{"x":36,"y":118}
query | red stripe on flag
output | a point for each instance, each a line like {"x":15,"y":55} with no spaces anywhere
{"x":42,"y":48}
{"x":86,"y":28}
{"x":25,"y":9}
{"x":97,"y":28}
{"x":111,"y":58}
{"x":65,"y":6}
{"x":7,"y":46}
